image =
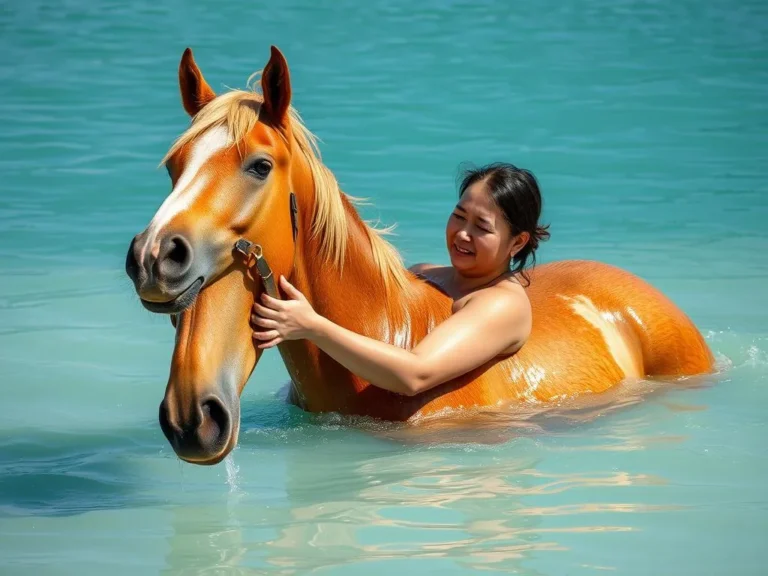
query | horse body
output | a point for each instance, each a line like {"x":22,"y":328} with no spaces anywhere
{"x":594,"y":326}
{"x":235,"y":172}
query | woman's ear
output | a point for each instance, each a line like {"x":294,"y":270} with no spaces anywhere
{"x":519,"y":242}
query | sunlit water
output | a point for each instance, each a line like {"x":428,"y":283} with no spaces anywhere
{"x":646,"y":125}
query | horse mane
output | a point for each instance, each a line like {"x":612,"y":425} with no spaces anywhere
{"x":238,"y":111}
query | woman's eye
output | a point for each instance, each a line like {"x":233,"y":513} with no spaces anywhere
{"x":260,"y":169}
{"x":457,"y":216}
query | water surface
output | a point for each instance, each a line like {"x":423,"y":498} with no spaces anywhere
{"x":646,"y":125}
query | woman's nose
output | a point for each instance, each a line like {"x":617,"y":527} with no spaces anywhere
{"x":463,"y":234}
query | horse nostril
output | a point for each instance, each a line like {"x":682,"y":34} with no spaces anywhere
{"x":179,"y":251}
{"x":214,"y":428}
{"x":132,"y":262}
{"x":165,"y":424}
{"x":175,"y":258}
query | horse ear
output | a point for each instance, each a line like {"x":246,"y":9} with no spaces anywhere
{"x":195,"y":92}
{"x":276,"y":87}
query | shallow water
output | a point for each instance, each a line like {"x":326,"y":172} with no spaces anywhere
{"x":646,"y":124}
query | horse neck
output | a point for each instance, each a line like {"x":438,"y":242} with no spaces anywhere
{"x":355,"y":295}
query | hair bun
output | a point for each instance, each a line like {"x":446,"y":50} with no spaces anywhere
{"x":541,"y":234}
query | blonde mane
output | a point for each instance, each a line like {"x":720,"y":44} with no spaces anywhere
{"x":238,"y":111}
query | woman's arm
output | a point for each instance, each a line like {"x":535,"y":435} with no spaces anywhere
{"x":488,"y":324}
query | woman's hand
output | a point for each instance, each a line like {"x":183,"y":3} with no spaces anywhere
{"x":278,"y":320}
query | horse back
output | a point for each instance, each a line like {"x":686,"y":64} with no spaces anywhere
{"x":594,"y":325}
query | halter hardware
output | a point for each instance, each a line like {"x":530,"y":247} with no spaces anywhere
{"x":254,"y":253}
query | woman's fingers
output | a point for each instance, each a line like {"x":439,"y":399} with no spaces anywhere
{"x":290,"y":289}
{"x":263,"y":322}
{"x":273,"y":303}
{"x":264,"y":311}
{"x":270,"y":344}
{"x":266,"y":335}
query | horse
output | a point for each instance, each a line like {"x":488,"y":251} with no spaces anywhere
{"x":247,"y":168}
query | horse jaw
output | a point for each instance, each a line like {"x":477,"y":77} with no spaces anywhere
{"x":213,"y":357}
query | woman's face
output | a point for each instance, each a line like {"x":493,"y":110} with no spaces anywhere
{"x":478,"y":238}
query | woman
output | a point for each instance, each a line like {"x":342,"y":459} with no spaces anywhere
{"x":490,"y":235}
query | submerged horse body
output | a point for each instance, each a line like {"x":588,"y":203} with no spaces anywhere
{"x":248,"y":168}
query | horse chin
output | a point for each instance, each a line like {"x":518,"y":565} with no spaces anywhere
{"x":208,"y":461}
{"x":179,"y":303}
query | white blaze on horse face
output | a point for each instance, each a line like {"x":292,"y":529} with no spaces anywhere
{"x":613,"y":329}
{"x":191,"y":183}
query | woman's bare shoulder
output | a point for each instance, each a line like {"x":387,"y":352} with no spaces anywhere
{"x":507,"y":302}
{"x":507,"y":297}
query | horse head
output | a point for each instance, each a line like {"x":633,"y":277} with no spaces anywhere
{"x":232,"y":173}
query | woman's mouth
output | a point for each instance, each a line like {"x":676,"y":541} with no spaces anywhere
{"x":463,"y":251}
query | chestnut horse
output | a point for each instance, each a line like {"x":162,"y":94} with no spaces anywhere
{"x":244,"y":162}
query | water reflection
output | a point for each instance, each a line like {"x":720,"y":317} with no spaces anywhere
{"x":206,"y":538}
{"x":356,"y":494}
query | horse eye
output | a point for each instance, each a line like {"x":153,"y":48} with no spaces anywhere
{"x":260,"y":168}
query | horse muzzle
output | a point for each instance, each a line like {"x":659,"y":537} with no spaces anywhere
{"x":166,"y":276}
{"x":205,"y":433}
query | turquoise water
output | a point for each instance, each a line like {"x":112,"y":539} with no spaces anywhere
{"x":647,"y":125}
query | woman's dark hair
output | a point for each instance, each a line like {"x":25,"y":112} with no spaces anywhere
{"x":516,"y":192}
